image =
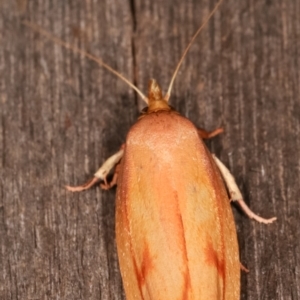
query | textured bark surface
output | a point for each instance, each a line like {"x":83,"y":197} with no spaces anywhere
{"x":61,"y":115}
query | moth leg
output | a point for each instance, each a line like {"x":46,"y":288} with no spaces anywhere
{"x":101,"y":173}
{"x":236,"y":194}
{"x":243,"y":268}
{"x":209,"y":134}
{"x":106,"y":185}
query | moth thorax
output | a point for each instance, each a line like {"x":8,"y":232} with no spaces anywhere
{"x":155,"y":98}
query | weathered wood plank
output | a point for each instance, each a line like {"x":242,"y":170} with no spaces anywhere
{"x":62,"y":115}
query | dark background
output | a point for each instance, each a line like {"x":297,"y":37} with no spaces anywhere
{"x":61,"y":115}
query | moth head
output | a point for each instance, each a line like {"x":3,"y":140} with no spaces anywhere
{"x":156,"y":101}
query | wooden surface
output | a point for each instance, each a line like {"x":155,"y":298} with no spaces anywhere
{"x":62,"y":115}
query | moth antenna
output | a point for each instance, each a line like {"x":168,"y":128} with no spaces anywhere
{"x":167,"y":96}
{"x":66,"y":45}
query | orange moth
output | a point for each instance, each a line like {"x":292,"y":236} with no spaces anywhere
{"x":175,"y":232}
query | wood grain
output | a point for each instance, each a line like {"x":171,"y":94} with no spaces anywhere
{"x":62,"y":115}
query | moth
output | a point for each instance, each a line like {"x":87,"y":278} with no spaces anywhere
{"x":175,"y":232}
